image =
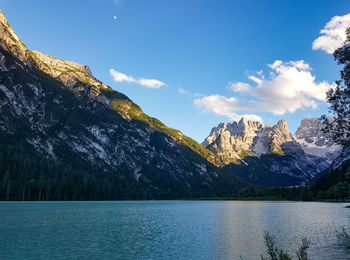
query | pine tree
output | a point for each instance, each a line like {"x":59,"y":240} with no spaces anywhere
{"x":339,"y":97}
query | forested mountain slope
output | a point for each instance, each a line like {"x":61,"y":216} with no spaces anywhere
{"x":66,"y":135}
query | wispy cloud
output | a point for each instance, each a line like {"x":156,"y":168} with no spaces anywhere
{"x":224,"y":106}
{"x":183,"y":91}
{"x":188,"y":93}
{"x":149,"y":83}
{"x":333,"y":34}
{"x":290,"y":87}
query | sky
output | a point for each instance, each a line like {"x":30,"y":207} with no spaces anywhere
{"x":196,"y":63}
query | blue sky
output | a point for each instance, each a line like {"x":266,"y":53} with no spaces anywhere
{"x":206,"y":48}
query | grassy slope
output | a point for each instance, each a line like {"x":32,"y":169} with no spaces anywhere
{"x":124,"y":106}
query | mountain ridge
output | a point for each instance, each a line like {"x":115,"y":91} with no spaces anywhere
{"x":70,"y":73}
{"x":62,"y":111}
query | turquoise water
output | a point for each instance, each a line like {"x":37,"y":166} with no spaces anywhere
{"x":167,"y":229}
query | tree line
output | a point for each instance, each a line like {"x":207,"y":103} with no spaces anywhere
{"x":332,"y":186}
{"x":26,"y":174}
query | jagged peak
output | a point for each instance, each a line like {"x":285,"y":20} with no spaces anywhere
{"x":67,"y":72}
{"x":314,"y":141}
{"x":10,"y":42}
{"x":247,"y":123}
{"x":248,"y":138}
{"x":215,"y":130}
{"x":236,"y":127}
{"x":309,"y":120}
{"x":3,"y":19}
{"x":308,"y":123}
{"x":7,"y":28}
{"x":243,"y":120}
{"x":5,"y":23}
{"x":282,"y":124}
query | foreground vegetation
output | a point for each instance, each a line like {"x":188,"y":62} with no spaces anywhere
{"x":275,"y":253}
{"x":344,"y":238}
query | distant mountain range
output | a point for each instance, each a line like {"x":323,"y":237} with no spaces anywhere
{"x":66,"y":135}
{"x":271,"y":155}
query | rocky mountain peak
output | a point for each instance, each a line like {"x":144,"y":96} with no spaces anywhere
{"x":249,"y":124}
{"x":6,"y":30}
{"x":11,"y":43}
{"x":73,"y":75}
{"x":256,"y":147}
{"x":243,"y":127}
{"x":244,"y":121}
{"x":3,"y":19}
{"x":282,"y":125}
{"x":314,"y":141}
{"x":236,"y":140}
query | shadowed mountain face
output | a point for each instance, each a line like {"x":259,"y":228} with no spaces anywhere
{"x":58,"y":109}
{"x":271,"y":155}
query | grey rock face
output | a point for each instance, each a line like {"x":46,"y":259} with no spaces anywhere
{"x":315,"y":142}
{"x":236,"y":140}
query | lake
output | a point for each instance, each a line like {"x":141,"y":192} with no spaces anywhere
{"x":167,"y":229}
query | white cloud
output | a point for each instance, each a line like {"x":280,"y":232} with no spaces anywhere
{"x":115,"y":17}
{"x":150,"y":83}
{"x":223,"y":106}
{"x":183,"y":92}
{"x":333,"y":34}
{"x":291,"y":87}
{"x":121,"y":77}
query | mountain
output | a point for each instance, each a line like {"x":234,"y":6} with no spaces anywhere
{"x":66,"y":135}
{"x":236,"y":140}
{"x":271,"y":155}
{"x":315,"y":142}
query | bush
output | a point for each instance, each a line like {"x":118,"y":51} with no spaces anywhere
{"x":344,"y":238}
{"x":275,"y":253}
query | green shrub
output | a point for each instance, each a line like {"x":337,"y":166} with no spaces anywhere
{"x":344,"y":238}
{"x":275,"y":253}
